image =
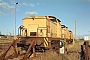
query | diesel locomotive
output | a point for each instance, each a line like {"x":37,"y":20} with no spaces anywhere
{"x":46,"y":30}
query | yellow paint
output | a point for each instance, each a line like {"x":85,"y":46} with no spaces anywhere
{"x":46,"y":42}
{"x":45,"y":45}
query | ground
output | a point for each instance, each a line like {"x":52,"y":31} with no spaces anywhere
{"x":72,"y":52}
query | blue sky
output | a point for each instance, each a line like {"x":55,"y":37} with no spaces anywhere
{"x":67,"y":11}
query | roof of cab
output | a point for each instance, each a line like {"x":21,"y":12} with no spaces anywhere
{"x":40,"y":17}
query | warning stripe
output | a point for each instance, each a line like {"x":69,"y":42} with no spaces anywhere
{"x":46,"y":42}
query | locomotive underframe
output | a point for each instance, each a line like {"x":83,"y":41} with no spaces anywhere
{"x":52,"y":43}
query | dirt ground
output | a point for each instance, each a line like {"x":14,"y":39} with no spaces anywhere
{"x":72,"y":52}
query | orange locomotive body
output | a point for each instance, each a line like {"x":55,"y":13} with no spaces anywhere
{"x":46,"y":30}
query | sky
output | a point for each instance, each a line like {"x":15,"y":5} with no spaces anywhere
{"x":67,"y":11}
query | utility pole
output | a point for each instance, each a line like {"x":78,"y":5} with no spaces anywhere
{"x":75,"y":29}
{"x":15,"y":22}
{"x":74,"y":32}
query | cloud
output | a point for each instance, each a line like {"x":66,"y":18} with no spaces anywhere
{"x":25,"y":4}
{"x":2,"y":14}
{"x":32,"y":5}
{"x":6,"y":7}
{"x":28,"y":4}
{"x":31,"y":13}
{"x":12,"y":1}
